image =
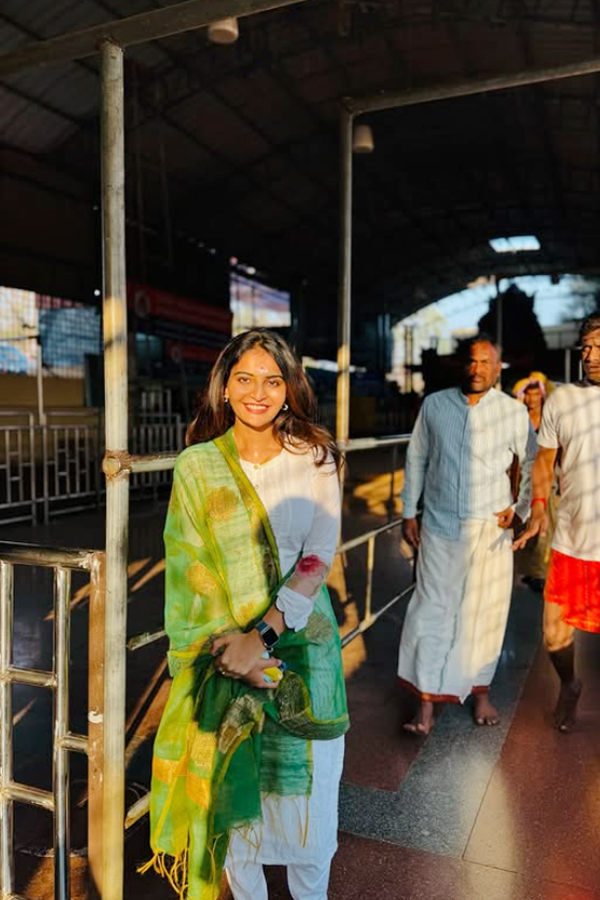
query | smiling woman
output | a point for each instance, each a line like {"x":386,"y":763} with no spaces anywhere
{"x":269,"y":366}
{"x":256,"y":393}
{"x":248,"y":756}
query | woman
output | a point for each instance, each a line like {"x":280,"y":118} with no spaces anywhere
{"x":246,"y":767}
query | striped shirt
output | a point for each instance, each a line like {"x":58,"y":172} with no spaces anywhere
{"x":459,"y":460}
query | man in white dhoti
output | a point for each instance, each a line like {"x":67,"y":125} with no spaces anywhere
{"x":459,"y":461}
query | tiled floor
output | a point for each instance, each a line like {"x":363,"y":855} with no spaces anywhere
{"x":506,"y":813}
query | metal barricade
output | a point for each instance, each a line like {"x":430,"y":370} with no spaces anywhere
{"x":71,"y":475}
{"x":54,"y":468}
{"x":371,"y":617}
{"x":63,"y":562}
{"x":150,"y":440}
{"x":17,"y":466}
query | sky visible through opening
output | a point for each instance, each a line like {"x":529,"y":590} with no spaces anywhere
{"x":457,"y":315}
{"x":552,"y":303}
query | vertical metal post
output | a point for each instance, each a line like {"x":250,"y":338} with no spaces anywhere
{"x":408,"y":359}
{"x":60,"y":774}
{"x":40,"y":382}
{"x":345,"y":280}
{"x":6,"y":731}
{"x":166,"y":205}
{"x":393,"y":481}
{"x":499,"y":318}
{"x":45,"y":473}
{"x":567,"y":365}
{"x":117,"y":486}
{"x":96,"y":718}
{"x":370,"y":568}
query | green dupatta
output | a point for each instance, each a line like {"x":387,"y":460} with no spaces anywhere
{"x":220,"y":743}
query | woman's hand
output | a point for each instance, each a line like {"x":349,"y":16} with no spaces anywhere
{"x":255,"y":677}
{"x":239,"y":653}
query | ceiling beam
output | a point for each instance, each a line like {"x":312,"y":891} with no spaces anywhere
{"x":150,"y":26}
{"x":471,"y":86}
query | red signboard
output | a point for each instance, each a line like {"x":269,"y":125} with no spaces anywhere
{"x":147,"y":302}
{"x":179,"y":352}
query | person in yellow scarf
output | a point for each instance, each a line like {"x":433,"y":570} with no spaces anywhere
{"x":533,"y":561}
{"x":248,"y":755}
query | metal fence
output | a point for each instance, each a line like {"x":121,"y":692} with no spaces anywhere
{"x":55,"y":468}
{"x":17,"y":466}
{"x":62,"y":562}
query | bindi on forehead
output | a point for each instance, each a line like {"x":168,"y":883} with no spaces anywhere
{"x":259,"y":361}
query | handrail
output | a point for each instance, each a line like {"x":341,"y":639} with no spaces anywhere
{"x":156,"y":462}
{"x":61,"y":561}
{"x":363,"y":538}
{"x":373,"y":443}
{"x":24,"y":554}
{"x":367,"y":623}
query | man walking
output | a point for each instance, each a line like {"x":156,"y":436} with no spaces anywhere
{"x":571,"y":425}
{"x":459,"y":460}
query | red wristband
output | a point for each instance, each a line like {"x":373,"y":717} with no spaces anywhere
{"x":539,"y":500}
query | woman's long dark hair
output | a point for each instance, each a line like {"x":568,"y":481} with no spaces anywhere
{"x":293,"y":425}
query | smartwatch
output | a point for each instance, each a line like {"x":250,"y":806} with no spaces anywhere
{"x":268,"y":635}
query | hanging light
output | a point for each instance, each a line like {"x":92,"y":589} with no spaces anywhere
{"x":225,"y":31}
{"x":363,"y":139}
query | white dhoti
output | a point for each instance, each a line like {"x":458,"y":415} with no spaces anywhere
{"x":456,"y":619}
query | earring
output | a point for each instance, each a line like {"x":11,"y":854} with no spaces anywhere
{"x":226,"y":399}
{"x":285,"y":407}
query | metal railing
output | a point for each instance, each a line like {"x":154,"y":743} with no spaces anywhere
{"x":63,"y":562}
{"x":17,"y":465}
{"x":52,"y":469}
{"x":370,"y":617}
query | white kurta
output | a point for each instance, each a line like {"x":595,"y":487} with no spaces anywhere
{"x":303,"y":505}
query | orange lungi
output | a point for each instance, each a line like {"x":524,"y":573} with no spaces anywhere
{"x":575,"y":585}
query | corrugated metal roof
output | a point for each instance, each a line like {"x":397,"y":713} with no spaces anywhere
{"x":250,"y":131}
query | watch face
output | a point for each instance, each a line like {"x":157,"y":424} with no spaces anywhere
{"x":268,"y":634}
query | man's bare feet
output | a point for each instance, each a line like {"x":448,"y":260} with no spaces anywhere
{"x":566,"y":707}
{"x":485,"y":712}
{"x":423,"y":721}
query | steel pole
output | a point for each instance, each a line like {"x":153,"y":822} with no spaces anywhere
{"x":40,"y":383}
{"x":60,"y":769}
{"x":117,"y":486}
{"x":345,"y":280}
{"x":96,"y":717}
{"x":471,"y":86}
{"x":7,"y":864}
